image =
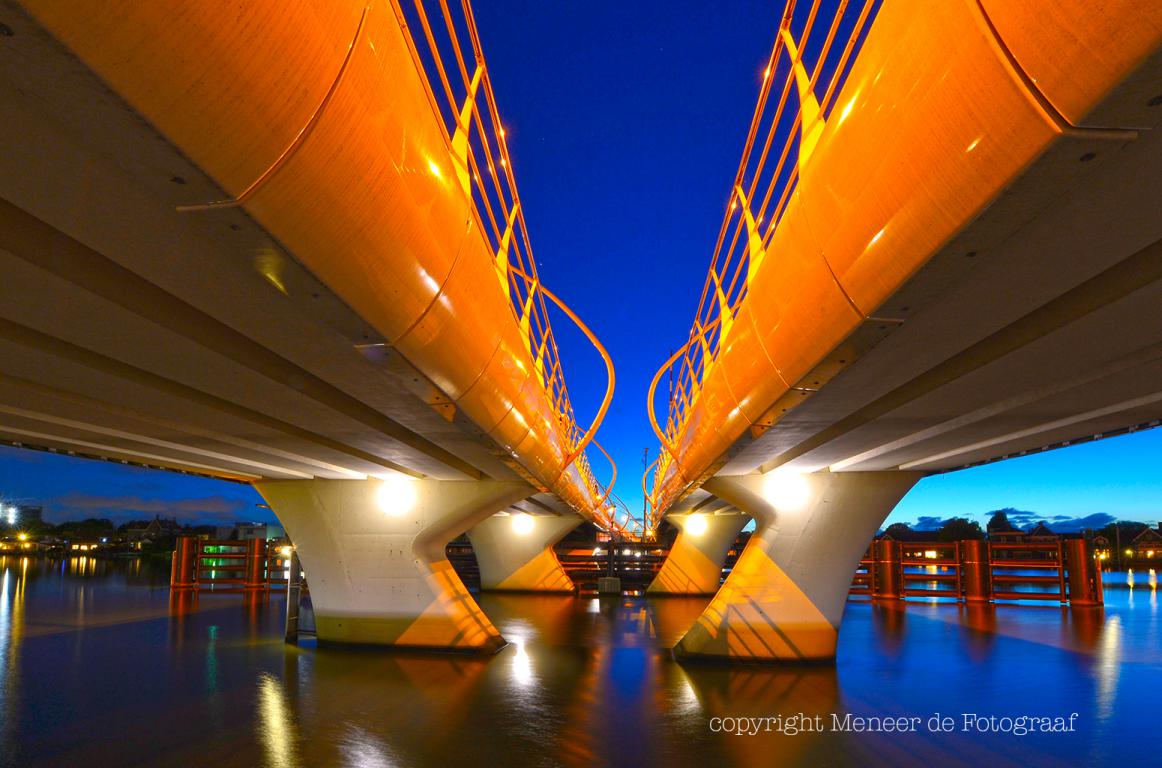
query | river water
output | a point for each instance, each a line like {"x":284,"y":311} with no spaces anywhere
{"x":99,"y":667}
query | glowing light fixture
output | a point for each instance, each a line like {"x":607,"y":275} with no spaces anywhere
{"x":786,"y":491}
{"x":285,"y":552}
{"x":523,"y":523}
{"x":24,"y":537}
{"x":396,"y":495}
{"x":696,"y":525}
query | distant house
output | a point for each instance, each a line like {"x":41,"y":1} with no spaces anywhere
{"x":1101,"y":547}
{"x":139,"y":532}
{"x":910,"y":540}
{"x":88,"y":546}
{"x":246,"y":531}
{"x":1008,"y":537}
{"x":1147,"y":545}
{"x":1040,"y":534}
{"x":1035,"y":536}
{"x":906,"y":535}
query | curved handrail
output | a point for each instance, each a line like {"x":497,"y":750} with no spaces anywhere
{"x":650,"y":401}
{"x":459,"y":88}
{"x":767,"y":175}
{"x":612,"y":479}
{"x":651,"y":512}
{"x":646,"y":493}
{"x":609,"y":372}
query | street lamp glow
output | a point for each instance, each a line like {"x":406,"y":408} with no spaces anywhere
{"x":786,"y":491}
{"x":523,"y":523}
{"x":696,"y":525}
{"x":396,"y":495}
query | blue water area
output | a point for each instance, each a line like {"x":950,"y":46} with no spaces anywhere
{"x":101,"y":666}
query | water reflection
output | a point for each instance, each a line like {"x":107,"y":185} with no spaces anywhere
{"x":361,"y":749}
{"x":276,"y":725}
{"x":11,"y":630}
{"x":1109,"y":667}
{"x":206,"y":680}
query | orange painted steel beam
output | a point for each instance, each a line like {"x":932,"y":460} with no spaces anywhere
{"x":971,"y":92}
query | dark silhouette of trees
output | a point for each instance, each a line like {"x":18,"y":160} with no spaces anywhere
{"x":958,"y":529}
{"x":999,"y":523}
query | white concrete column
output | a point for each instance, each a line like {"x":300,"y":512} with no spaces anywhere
{"x":694,"y":565}
{"x":373,"y":555}
{"x":515,"y":552}
{"x":784,"y":599}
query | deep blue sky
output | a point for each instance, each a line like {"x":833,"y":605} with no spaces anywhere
{"x":625,"y":121}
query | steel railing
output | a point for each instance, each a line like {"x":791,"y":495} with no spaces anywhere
{"x":1005,"y":571}
{"x":784,"y":128}
{"x":445,"y":45}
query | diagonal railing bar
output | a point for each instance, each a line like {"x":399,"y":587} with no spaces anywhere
{"x":446,"y":49}
{"x":784,"y":127}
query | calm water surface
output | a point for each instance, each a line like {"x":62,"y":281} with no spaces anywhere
{"x":98,"y":667}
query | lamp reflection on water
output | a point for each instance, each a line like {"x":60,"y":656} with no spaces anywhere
{"x":522,"y":665}
{"x":1109,"y":657}
{"x":11,"y":634}
{"x":276,"y":724}
{"x":363,"y":749}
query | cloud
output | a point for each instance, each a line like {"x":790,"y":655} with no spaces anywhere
{"x":206,"y":509}
{"x":1024,"y":520}
{"x":1063,"y":524}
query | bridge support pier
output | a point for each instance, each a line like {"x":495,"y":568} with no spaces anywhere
{"x":784,"y":599}
{"x":694,"y":565}
{"x":515,"y":552}
{"x":373,"y":555}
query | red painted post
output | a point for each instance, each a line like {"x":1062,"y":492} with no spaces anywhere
{"x":974,"y":567}
{"x":184,"y":570}
{"x":888,"y":577}
{"x":1081,"y":578}
{"x":256,"y":564}
{"x":1097,"y":577}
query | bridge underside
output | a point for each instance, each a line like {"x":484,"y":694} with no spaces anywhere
{"x":195,"y":342}
{"x":1035,"y":327}
{"x":247,"y":367}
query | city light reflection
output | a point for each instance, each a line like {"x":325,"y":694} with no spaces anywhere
{"x":276,"y":725}
{"x":1109,"y":659}
{"x":361,"y":749}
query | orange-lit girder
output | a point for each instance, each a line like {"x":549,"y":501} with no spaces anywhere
{"x":945,"y":106}
{"x":315,"y":114}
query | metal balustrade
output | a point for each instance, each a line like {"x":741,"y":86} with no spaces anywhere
{"x":1063,"y":571}
{"x":809,"y":55}
{"x":446,"y":48}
